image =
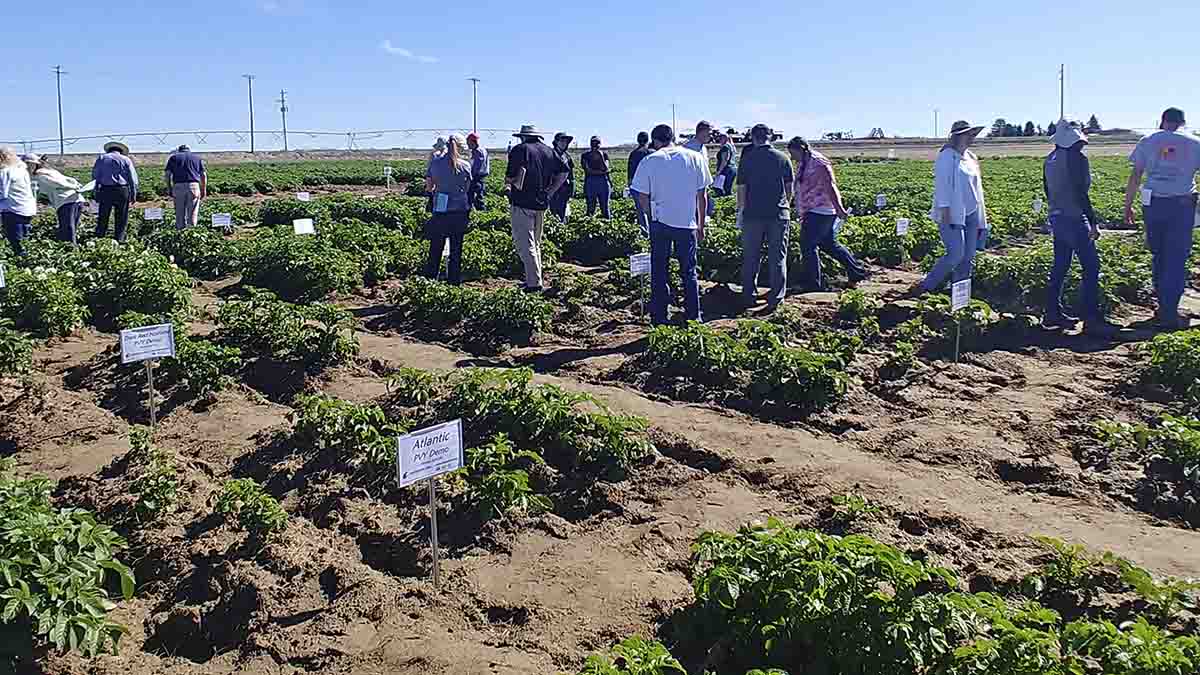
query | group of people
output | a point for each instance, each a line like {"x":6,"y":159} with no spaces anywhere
{"x":23,"y":178}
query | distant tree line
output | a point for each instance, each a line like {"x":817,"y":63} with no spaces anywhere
{"x":1002,"y":129}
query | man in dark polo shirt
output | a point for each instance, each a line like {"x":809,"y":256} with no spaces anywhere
{"x":188,"y":179}
{"x":764,"y":189}
{"x":534,"y":173}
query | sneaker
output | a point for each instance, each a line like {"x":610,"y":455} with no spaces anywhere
{"x":1100,"y":329}
{"x":1060,"y":321}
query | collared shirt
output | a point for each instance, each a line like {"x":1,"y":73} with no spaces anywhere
{"x":1170,"y":160}
{"x":185,"y":167}
{"x":113,"y":168}
{"x":542,"y":164}
{"x":16,"y":190}
{"x":696,"y":146}
{"x":958,"y":186}
{"x":481,"y":164}
{"x":766,"y":174}
{"x":672,"y":177}
{"x":60,"y":190}
{"x":814,"y":185}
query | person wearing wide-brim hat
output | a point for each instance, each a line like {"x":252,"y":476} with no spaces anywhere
{"x":63,"y":193}
{"x":1067,"y":177}
{"x":560,"y":199}
{"x":958,"y":208}
{"x":116,"y":188}
{"x":534,"y":173}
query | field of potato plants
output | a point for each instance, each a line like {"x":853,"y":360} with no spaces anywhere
{"x":820,"y":490}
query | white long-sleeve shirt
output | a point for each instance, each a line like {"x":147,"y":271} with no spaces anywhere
{"x":16,"y":190}
{"x":58,"y":189}
{"x":958,"y":186}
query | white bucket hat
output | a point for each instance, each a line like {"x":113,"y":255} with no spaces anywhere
{"x":1067,"y":134}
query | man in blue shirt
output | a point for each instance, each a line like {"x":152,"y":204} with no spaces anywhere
{"x":481,"y":166}
{"x":188,"y":178}
{"x":116,"y":188}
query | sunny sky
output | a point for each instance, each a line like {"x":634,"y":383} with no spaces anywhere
{"x":609,"y":68}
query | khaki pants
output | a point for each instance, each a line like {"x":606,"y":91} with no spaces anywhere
{"x":527,"y":238}
{"x":187,"y":204}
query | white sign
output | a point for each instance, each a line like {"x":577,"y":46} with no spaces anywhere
{"x":719,"y":183}
{"x":94,"y":208}
{"x":429,"y":452}
{"x":303,"y":196}
{"x":1147,"y":196}
{"x":303,"y":226}
{"x":387,"y":171}
{"x":2,"y":282}
{"x":441,"y":202}
{"x":153,"y":214}
{"x":960,"y":295}
{"x":222,"y":220}
{"x":639,"y":264}
{"x":1037,"y":206}
{"x":902,"y":226}
{"x":150,"y":342}
{"x":891,"y":154}
{"x":880,"y":200}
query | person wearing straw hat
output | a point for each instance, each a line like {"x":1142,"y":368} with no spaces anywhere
{"x":534,"y":173}
{"x":186,"y":174}
{"x":481,"y":167}
{"x":18,"y":204}
{"x":958,"y":208}
{"x":449,"y":183}
{"x":597,"y":187}
{"x":116,"y":188}
{"x":63,"y":193}
{"x":1067,"y":177}
{"x":1169,"y":160}
{"x":560,"y":199}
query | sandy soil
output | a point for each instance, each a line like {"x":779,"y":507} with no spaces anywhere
{"x":967,"y":459}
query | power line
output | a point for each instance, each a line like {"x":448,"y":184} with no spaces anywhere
{"x":283,"y":110}
{"x":250,"y":90}
{"x":58,"y":73}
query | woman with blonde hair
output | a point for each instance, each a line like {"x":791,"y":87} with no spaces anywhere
{"x":18,"y":205}
{"x":958,"y":208}
{"x":449,"y":182}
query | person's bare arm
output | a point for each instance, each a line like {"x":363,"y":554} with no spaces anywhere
{"x":701,"y":213}
{"x":559,"y":180}
{"x":741,"y":197}
{"x":429,"y":184}
{"x":644,"y":201}
{"x":1131,"y":189}
{"x":204,"y":184}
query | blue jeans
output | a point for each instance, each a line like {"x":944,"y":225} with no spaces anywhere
{"x":816,"y":232}
{"x":475,"y":193}
{"x":16,"y":230}
{"x":642,"y":216}
{"x":68,"y":221}
{"x":776,"y":234}
{"x":664,"y":238}
{"x":558,"y":202}
{"x":1072,"y":237}
{"x":1169,"y":223}
{"x":598,"y":191}
{"x":960,"y":242}
{"x":730,"y":174}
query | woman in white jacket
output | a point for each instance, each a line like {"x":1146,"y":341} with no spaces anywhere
{"x":18,"y":205}
{"x":63,"y":193}
{"x":958,"y":208}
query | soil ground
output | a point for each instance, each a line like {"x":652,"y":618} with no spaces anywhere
{"x":967,"y":459}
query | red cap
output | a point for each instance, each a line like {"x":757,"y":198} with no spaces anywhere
{"x":473,"y":137}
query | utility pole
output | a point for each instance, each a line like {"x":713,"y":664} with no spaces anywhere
{"x":673,"y":125}
{"x":250,"y":90}
{"x":58,"y":73}
{"x":474,"y":103}
{"x":283,"y":111}
{"x":1062,"y":91}
{"x":935,"y":123}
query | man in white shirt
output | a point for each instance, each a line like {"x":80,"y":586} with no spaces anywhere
{"x":671,"y":185}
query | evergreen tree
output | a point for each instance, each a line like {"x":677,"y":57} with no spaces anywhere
{"x":1093,"y":125}
{"x":1030,"y":129}
{"x":1051,"y":129}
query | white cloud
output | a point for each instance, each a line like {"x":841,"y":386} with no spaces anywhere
{"x":388,"y":47}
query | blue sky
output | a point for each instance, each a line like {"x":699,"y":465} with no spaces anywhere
{"x":609,"y":68}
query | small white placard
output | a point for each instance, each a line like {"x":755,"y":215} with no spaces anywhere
{"x":222,"y":220}
{"x":719,"y":183}
{"x":441,"y":202}
{"x":1147,"y":196}
{"x":303,"y":226}
{"x":153,"y":214}
{"x":3,"y":283}
{"x":429,"y":452}
{"x":387,"y":171}
{"x":1037,"y":205}
{"x":149,"y":342}
{"x":94,"y":208}
{"x":303,"y":196}
{"x":891,"y":153}
{"x":960,"y":295}
{"x":639,"y":264}
{"x":902,"y":226}
{"x":880,"y":200}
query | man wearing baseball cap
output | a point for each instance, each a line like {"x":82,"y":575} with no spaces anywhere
{"x":1067,"y":177}
{"x":534,"y":173}
{"x":596,"y":186}
{"x":1169,"y":160}
{"x":481,"y":166}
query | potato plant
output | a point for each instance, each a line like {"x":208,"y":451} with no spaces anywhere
{"x":493,"y":316}
{"x":44,"y":300}
{"x":203,"y":366}
{"x":203,"y":252}
{"x":1172,"y":361}
{"x":299,"y":268}
{"x":361,"y":435}
{"x":246,"y":505}
{"x":633,"y":656}
{"x":16,"y":350}
{"x":317,"y":335}
{"x":157,"y":481}
{"x":498,"y":485}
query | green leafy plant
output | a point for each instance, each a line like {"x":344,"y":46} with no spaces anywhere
{"x":16,"y":350}
{"x":119,"y":278}
{"x":244,"y":502}
{"x":157,"y":482}
{"x":414,"y":386}
{"x":54,"y":567}
{"x":899,"y":361}
{"x":299,"y":268}
{"x":318,"y":334}
{"x":361,"y":434}
{"x":496,"y":485}
{"x":44,"y":300}
{"x":203,"y":252}
{"x":853,"y":507}
{"x":202,"y":365}
{"x":633,"y":656}
{"x":855,"y":305}
{"x":497,"y":316}
{"x":1173,"y":362}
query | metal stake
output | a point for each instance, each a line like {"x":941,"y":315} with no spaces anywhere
{"x":957,"y":338}
{"x":433,"y":535}
{"x":150,"y":381}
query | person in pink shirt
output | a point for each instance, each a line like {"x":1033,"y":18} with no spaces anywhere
{"x":819,"y":206}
